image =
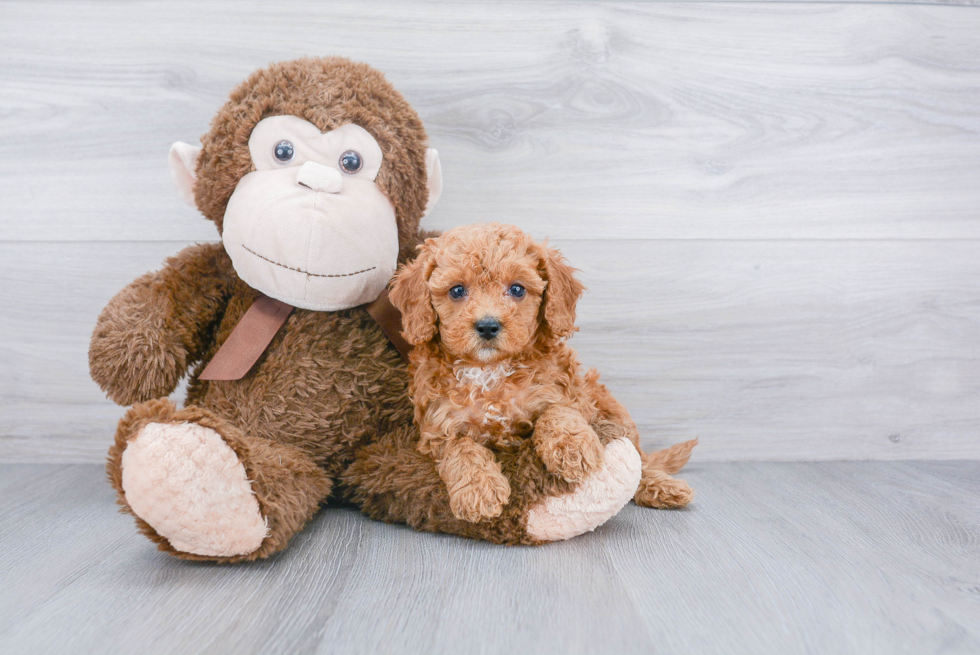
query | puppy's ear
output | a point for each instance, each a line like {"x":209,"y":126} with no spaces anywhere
{"x":561,"y":294}
{"x":410,"y":294}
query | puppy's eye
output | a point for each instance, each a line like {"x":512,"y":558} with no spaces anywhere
{"x":284,"y":151}
{"x":517,"y":291}
{"x":351,"y":162}
{"x":457,"y":292}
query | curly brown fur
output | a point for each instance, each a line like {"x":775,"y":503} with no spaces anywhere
{"x":330,"y":382}
{"x":288,"y":485}
{"x":327,"y":402}
{"x":154,"y":329}
{"x":520,"y":382}
{"x":328,"y":92}
{"x":392,"y":481}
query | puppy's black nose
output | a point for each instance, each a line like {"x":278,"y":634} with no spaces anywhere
{"x":487,"y":328}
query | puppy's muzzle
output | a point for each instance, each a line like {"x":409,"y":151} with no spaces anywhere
{"x":488,"y":328}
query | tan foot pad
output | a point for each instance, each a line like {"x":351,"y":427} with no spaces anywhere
{"x":594,"y":502}
{"x":186,"y":482}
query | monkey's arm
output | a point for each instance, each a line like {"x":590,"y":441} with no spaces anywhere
{"x":153,"y":330}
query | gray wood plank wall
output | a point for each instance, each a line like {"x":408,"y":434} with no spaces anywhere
{"x":776,"y":206}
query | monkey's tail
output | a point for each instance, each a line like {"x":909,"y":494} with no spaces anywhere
{"x":670,"y":460}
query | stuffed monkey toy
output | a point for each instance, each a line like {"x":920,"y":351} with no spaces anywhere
{"x":316,"y":174}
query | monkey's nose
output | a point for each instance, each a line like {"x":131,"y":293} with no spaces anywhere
{"x":487,"y":328}
{"x":320,"y":178}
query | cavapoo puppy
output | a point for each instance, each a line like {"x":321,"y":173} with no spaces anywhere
{"x":488,"y":311}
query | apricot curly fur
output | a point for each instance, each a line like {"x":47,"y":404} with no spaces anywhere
{"x":566,"y":443}
{"x":325,"y":410}
{"x":657,"y":489}
{"x":392,"y":481}
{"x":524,"y":383}
{"x":477,"y":488}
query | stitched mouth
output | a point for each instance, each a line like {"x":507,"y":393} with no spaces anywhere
{"x":299,"y":270}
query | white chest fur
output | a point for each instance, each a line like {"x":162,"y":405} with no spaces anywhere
{"x":483,"y":379}
{"x":490,"y":404}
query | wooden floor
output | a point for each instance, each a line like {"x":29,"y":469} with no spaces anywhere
{"x":773,"y":204}
{"x":855,"y":557}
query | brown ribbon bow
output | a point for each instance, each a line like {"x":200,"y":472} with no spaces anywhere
{"x":262,"y":321}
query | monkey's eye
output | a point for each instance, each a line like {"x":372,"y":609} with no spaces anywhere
{"x":351,"y":162}
{"x":517,"y":291}
{"x":284,"y":151}
{"x":457,"y":292}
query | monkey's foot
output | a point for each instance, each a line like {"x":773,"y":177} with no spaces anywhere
{"x":594,"y":502}
{"x":189,"y":486}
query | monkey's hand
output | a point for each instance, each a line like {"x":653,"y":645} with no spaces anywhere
{"x":567,"y":444}
{"x":134,"y":355}
{"x":154,"y":329}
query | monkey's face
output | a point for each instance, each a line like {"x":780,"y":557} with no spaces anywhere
{"x":309,"y":226}
{"x":313,"y":211}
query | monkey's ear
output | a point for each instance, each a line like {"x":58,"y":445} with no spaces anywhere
{"x":434,"y":171}
{"x":183,"y":161}
{"x":410,"y":294}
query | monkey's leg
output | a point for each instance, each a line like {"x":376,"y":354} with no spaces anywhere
{"x":202,"y":490}
{"x":598,"y":498}
{"x":391,"y":481}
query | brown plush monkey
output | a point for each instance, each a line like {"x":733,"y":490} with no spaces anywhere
{"x":316,"y":174}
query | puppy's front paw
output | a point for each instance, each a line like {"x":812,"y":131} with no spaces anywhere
{"x":573,"y":454}
{"x":482,"y":496}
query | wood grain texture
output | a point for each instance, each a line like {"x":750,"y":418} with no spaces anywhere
{"x":868,"y":557}
{"x":775,"y":204}
{"x":630,"y":120}
{"x":768,"y":350}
